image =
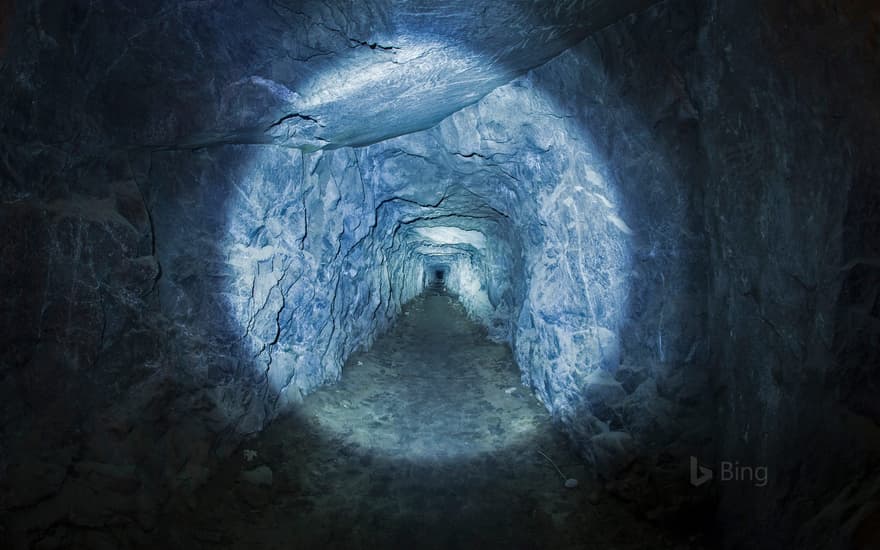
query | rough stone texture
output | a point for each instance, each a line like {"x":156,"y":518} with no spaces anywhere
{"x":162,"y":300}
{"x":769,"y":112}
{"x":307,"y":73}
{"x":606,"y":301}
{"x":672,"y":223}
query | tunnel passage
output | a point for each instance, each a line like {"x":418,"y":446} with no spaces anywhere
{"x":429,"y":441}
{"x":265,"y":268}
{"x":667,"y":212}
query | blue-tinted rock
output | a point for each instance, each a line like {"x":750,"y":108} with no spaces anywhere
{"x":671,"y":223}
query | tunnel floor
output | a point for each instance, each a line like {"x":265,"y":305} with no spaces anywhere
{"x":428,"y":441}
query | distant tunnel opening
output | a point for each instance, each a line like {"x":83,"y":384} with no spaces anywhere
{"x":436,"y":278}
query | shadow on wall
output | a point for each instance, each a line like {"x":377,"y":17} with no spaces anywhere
{"x":7,"y":12}
{"x":770,"y":109}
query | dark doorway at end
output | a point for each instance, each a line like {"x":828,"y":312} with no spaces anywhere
{"x":436,"y":277}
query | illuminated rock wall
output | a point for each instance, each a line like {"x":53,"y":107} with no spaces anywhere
{"x":671,"y":222}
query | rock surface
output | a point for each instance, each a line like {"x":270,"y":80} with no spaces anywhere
{"x":261,"y":475}
{"x":672,"y":222}
{"x":418,"y":446}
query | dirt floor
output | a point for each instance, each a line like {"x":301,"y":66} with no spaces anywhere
{"x":429,"y":441}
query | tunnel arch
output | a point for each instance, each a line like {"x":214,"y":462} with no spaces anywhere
{"x":518,"y":216}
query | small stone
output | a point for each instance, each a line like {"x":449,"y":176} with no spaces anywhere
{"x":571,"y":483}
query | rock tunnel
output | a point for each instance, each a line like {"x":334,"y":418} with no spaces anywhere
{"x":330,"y":274}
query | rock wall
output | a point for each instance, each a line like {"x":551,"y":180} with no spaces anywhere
{"x":672,"y":224}
{"x":166,"y":291}
{"x":274,"y":252}
{"x":768,"y":112}
{"x":211,"y":289}
{"x":714,"y":168}
{"x":602,"y":280}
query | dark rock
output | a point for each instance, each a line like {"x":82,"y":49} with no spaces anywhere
{"x":261,"y":476}
{"x":672,"y":222}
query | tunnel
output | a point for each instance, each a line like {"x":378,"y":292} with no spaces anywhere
{"x":440,"y":274}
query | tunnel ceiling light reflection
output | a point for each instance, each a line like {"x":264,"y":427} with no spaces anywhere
{"x":446,"y":235}
{"x":448,"y":250}
{"x":411,"y":65}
